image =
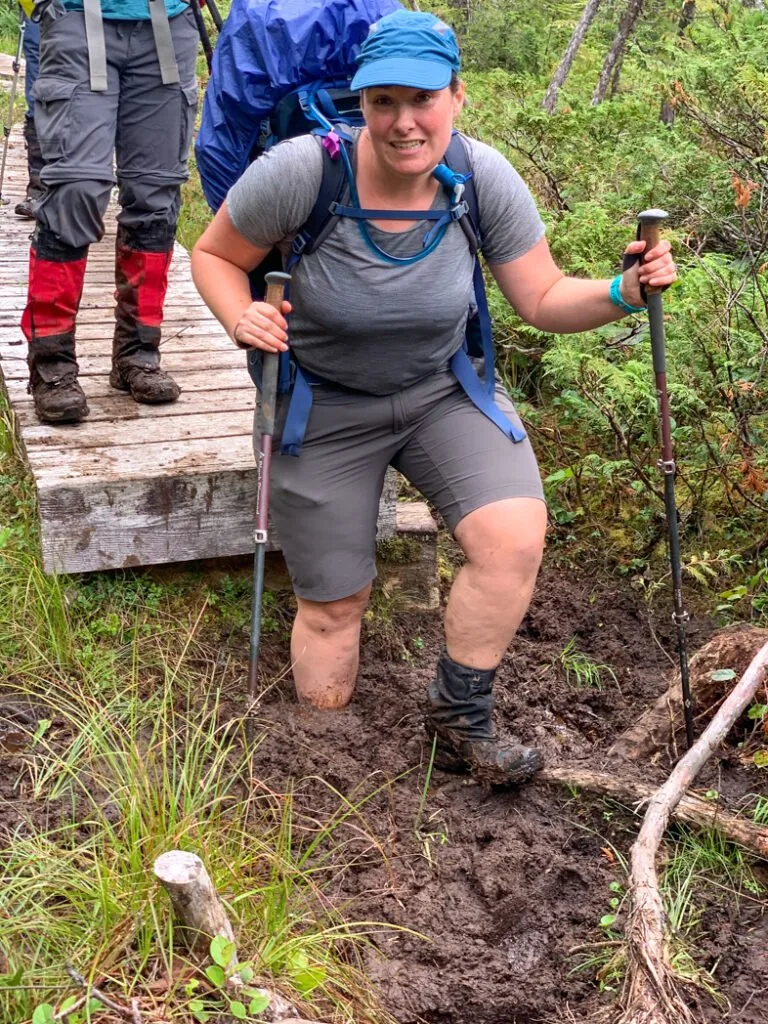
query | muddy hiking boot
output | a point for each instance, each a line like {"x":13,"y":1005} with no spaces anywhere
{"x":56,"y":273}
{"x":460,"y":706}
{"x":57,"y":394}
{"x":142,"y":259}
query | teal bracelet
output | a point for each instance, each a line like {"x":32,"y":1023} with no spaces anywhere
{"x":615,"y":296}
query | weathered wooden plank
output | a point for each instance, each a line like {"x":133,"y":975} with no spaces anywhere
{"x":110,"y":433}
{"x":204,"y":341}
{"x":173,"y":311}
{"x":15,"y":363}
{"x":119,"y":463}
{"x":171,"y":333}
{"x":93,"y":524}
{"x":98,"y":387}
{"x":122,"y":406}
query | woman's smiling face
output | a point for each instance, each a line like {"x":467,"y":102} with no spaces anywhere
{"x":410,"y":129}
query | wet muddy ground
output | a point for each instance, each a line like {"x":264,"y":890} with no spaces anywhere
{"x":501,"y":886}
{"x":504,"y":884}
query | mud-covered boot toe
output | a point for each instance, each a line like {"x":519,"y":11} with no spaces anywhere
{"x":147,"y":384}
{"x":500,"y":761}
{"x":497,"y":761}
{"x":59,"y":399}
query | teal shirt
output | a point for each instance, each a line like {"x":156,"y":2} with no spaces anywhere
{"x":128,"y":10}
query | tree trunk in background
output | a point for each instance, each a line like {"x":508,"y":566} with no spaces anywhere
{"x":558,"y":79}
{"x":628,"y":19}
{"x":687,"y":14}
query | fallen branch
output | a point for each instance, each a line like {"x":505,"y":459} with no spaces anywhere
{"x":693,"y":810}
{"x":651,"y":994}
{"x":129,"y":1012}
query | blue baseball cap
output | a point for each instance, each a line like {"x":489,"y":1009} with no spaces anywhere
{"x":410,"y":48}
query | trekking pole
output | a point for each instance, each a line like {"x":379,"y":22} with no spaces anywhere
{"x":649,"y":232}
{"x":202,"y":31}
{"x":16,"y":66}
{"x":265,"y":424}
{"x":214,"y":12}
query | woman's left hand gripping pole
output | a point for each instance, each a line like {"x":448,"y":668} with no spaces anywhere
{"x":265,"y":424}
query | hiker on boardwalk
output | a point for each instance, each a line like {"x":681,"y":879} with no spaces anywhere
{"x":34,"y":189}
{"x":377,"y":342}
{"x":124,"y":91}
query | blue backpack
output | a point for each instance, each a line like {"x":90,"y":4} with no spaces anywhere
{"x":325,"y":105}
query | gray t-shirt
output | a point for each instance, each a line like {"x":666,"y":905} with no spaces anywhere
{"x":358,"y":320}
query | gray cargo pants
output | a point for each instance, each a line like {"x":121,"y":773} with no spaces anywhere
{"x":141,"y":125}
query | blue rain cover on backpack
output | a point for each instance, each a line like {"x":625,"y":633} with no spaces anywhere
{"x":268,"y":48}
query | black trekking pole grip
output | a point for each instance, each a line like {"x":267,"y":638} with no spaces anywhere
{"x":649,"y":231}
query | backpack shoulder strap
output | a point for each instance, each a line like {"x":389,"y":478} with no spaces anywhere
{"x":457,"y":158}
{"x":321,"y":220}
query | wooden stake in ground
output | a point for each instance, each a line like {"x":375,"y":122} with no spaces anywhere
{"x":651,"y":994}
{"x":193,"y":897}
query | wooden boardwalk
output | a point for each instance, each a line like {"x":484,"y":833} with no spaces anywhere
{"x":134,"y":484}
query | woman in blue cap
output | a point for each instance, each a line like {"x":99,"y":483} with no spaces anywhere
{"x":376,"y":322}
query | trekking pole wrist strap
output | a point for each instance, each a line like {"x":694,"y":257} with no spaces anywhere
{"x":614,"y":293}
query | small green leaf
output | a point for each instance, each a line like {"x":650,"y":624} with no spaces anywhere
{"x":758,"y":712}
{"x":222,"y":950}
{"x":297,"y":960}
{"x":216,"y":975}
{"x":237,"y":1009}
{"x":258,"y":1004}
{"x":198,"y":1011}
{"x":246,"y":973}
{"x":607,"y":920}
{"x":308,"y":979}
{"x":44,"y":1014}
{"x":722,"y":675}
{"x":68,"y":1002}
{"x":616,"y":887}
{"x":761,"y":758}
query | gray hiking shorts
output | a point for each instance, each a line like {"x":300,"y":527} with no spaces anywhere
{"x":324,"y":503}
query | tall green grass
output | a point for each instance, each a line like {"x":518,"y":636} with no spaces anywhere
{"x":124,"y":775}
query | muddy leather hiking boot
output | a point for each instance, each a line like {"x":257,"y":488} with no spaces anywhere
{"x":460,"y":706}
{"x":147,"y":384}
{"x":56,"y":392}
